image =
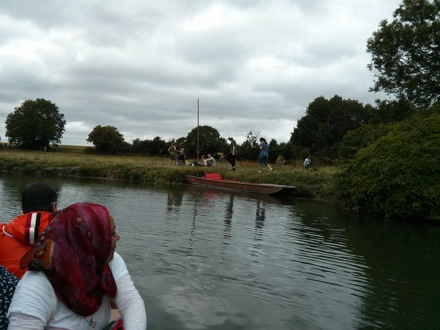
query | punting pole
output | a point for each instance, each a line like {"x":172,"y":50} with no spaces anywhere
{"x":198,"y":152}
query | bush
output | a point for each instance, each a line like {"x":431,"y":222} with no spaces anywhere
{"x":398,"y":175}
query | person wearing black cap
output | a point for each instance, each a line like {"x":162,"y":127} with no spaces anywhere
{"x":233,"y":153}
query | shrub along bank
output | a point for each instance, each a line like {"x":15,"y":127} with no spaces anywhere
{"x":398,"y":175}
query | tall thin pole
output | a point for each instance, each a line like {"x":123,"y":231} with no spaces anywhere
{"x":198,"y":151}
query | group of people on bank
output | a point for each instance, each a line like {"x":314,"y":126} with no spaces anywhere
{"x":59,"y":268}
{"x":177,"y":156}
{"x":208,"y":160}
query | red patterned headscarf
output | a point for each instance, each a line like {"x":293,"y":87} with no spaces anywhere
{"x":73,"y":251}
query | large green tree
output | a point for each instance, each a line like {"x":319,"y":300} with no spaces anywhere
{"x":386,"y":113}
{"x":209,"y":141}
{"x":390,"y":111}
{"x":405,"y":53}
{"x":249,"y":149}
{"x":107,"y":139}
{"x":35,"y":125}
{"x":155,"y":147}
{"x":326,"y":122}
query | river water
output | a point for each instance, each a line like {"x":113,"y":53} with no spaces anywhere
{"x":206,"y":259}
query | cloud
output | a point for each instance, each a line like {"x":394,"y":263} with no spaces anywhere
{"x":141,"y":66}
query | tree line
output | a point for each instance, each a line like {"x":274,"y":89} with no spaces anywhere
{"x":327,"y":131}
{"x":387,"y":152}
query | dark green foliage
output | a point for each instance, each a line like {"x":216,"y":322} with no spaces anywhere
{"x":155,"y":147}
{"x":125,"y":148}
{"x":249,"y":149}
{"x":325,"y":124}
{"x":360,"y":138}
{"x":35,"y":124}
{"x":285,"y":150}
{"x":209,"y":141}
{"x":388,"y":112}
{"x":107,"y":140}
{"x":405,"y":53}
{"x":398,"y":175}
{"x":273,"y":151}
{"x":139,"y":146}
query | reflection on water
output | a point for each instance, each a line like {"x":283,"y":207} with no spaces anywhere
{"x":216,"y":260}
{"x":174,"y":200}
{"x":228,"y":217}
{"x":260,"y":215}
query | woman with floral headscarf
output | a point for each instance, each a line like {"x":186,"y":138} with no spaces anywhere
{"x":74,"y":271}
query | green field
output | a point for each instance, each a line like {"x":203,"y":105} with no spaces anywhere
{"x":78,"y":161}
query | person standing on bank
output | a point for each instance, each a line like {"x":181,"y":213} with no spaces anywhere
{"x":233,"y":152}
{"x":73,"y":272}
{"x":172,"y":150}
{"x":38,"y":201}
{"x":264,"y":155}
{"x":181,"y":159}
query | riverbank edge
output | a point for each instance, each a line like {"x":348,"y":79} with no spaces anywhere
{"x":315,"y":183}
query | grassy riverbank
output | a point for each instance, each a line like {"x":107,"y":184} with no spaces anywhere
{"x":77,"y":162}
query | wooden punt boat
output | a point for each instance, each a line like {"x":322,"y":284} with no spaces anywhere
{"x":214,"y":180}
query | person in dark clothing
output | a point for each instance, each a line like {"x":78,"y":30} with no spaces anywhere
{"x":233,"y":152}
{"x":263,"y":157}
{"x":181,"y":159}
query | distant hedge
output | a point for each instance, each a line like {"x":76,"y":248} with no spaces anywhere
{"x":398,"y":175}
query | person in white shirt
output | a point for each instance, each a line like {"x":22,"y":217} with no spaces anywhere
{"x":74,"y":272}
{"x":204,"y":161}
{"x":211,"y":160}
{"x":307,"y":163}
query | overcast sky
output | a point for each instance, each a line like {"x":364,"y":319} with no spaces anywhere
{"x":141,"y":65}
